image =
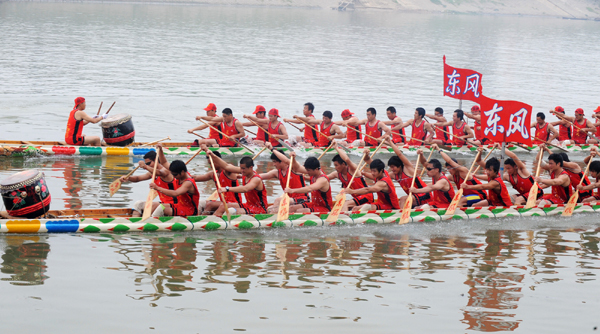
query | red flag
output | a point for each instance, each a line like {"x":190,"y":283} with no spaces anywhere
{"x":508,"y":121}
{"x":462,"y":84}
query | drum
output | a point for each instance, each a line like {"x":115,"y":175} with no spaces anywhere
{"x":26,"y":194}
{"x":118,"y":130}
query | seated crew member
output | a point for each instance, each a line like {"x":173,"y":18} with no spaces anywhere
{"x":186,"y":193}
{"x":262,"y":134}
{"x":252,"y":187}
{"x":544,"y":131}
{"x":163,"y":178}
{"x":402,"y":170}
{"x":559,"y":181}
{"x":595,"y":173}
{"x":581,"y":127}
{"x":564,"y":128}
{"x":320,"y":188}
{"x":460,"y":129}
{"x":475,"y":115}
{"x":574,"y":171}
{"x":230,"y":126}
{"x":497,"y":192}
{"x":77,"y":119}
{"x":275,"y":128}
{"x":226,"y":179}
{"x":373,"y":128}
{"x":441,"y":137}
{"x":398,"y":136}
{"x":440,"y":188}
{"x":282,"y":164}
{"x":422,"y":132}
{"x":353,"y":132}
{"x":384,"y":187}
{"x":344,"y":169}
{"x":517,"y":174}
{"x":596,"y":117}
{"x":214,"y":137}
{"x":459,"y":172}
{"x":328,"y":130}
{"x":310,"y":135}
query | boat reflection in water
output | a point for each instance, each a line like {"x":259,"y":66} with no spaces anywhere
{"x":24,"y":260}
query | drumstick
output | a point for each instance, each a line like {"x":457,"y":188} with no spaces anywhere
{"x":99,"y":109}
{"x":110,"y":107}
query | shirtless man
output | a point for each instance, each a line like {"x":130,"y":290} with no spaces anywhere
{"x":229,"y":125}
{"x":77,"y":119}
{"x":275,"y":128}
{"x":214,"y":137}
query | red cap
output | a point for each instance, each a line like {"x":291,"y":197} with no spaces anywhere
{"x":259,"y":109}
{"x":559,"y":109}
{"x":475,"y":108}
{"x":79,"y":101}
{"x":211,"y":107}
{"x":579,"y":111}
{"x":274,"y":112}
{"x":347,"y":113}
{"x":597,"y":110}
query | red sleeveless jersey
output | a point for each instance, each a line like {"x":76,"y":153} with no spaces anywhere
{"x":580,"y":137}
{"x":214,"y":134}
{"x":256,"y":197}
{"x":187,"y":204}
{"x":458,"y":132}
{"x":441,"y":135}
{"x":575,"y":179}
{"x":274,"y":131}
{"x":227,"y":182}
{"x":396,"y":135}
{"x":523,"y":185}
{"x":320,"y":198}
{"x":261,"y":134}
{"x":296,"y":181}
{"x":374,"y":132}
{"x":230,"y":131}
{"x":405,"y":181}
{"x":388,"y":199}
{"x":167,"y":185}
{"x":478,"y":130}
{"x":74,"y":129}
{"x":326,"y":131}
{"x":541,"y":134}
{"x":562,"y":192}
{"x":310,"y":135}
{"x":357,"y":183}
{"x":564,"y":132}
{"x":499,"y":199}
{"x":443,"y":197}
{"x":418,"y":132}
{"x":352,"y":135}
{"x":474,"y":181}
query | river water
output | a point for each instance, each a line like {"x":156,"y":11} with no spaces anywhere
{"x":163,"y":64}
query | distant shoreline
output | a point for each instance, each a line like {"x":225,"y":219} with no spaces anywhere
{"x":574,"y":10}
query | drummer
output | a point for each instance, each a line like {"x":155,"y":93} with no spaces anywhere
{"x":77,"y":120}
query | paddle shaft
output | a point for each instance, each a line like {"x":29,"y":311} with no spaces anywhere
{"x":212,"y":164}
{"x":99,"y":108}
{"x":133,"y":171}
{"x":192,"y":158}
{"x":473,"y":165}
{"x":292,"y":124}
{"x":156,"y":142}
{"x":534,"y":188}
{"x":110,"y":107}
{"x":232,"y":139}
{"x":322,"y":134}
{"x":428,"y":158}
{"x":549,"y":144}
{"x":325,"y":150}
{"x":453,"y":135}
{"x":257,"y":154}
{"x":198,"y":135}
{"x":267,"y":133}
{"x":487,"y":156}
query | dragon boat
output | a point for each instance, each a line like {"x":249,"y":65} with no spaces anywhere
{"x":17,"y":148}
{"x":120,"y":220}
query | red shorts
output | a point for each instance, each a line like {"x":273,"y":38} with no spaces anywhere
{"x":384,"y":206}
{"x":399,"y":140}
{"x":584,"y":195}
{"x":315,"y":208}
{"x":438,"y":205}
{"x":553,"y":199}
{"x":362,"y":199}
{"x":421,"y":199}
{"x":299,"y":199}
{"x":79,"y":141}
{"x":184,"y":211}
{"x":252,"y":209}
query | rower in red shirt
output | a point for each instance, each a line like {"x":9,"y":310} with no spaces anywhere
{"x":581,"y":127}
{"x":440,"y":188}
{"x":574,"y":171}
{"x":275,"y":128}
{"x":559,"y":181}
{"x":519,"y":177}
{"x":422,"y":131}
{"x":352,"y":136}
{"x":441,"y":137}
{"x":544,"y":131}
{"x":320,"y":188}
{"x":595,"y":173}
{"x":214,"y":137}
{"x":186,"y":193}
{"x":475,"y":115}
{"x":564,"y":129}
{"x":460,"y":128}
{"x":344,"y":169}
{"x":229,"y":125}
{"x":459,"y":172}
{"x":311,"y":136}
{"x":398,"y":136}
{"x":373,"y":128}
{"x":77,"y":119}
{"x":328,"y":130}
{"x":497,"y":192}
{"x":262,"y":134}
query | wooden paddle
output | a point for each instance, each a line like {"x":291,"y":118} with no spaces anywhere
{"x":284,"y":206}
{"x":532,"y":198}
{"x":151,"y":195}
{"x":198,"y":135}
{"x":215,"y":195}
{"x":484,"y":159}
{"x":267,"y":133}
{"x":458,"y":195}
{"x":111,"y":107}
{"x":455,"y":136}
{"x":325,"y":151}
{"x":522,"y":146}
{"x":155,"y":142}
{"x":292,"y":124}
{"x":558,"y":147}
{"x":341,"y":197}
{"x":322,"y":134}
{"x":212,"y":164}
{"x":116,"y":184}
{"x":257,"y":154}
{"x":100,"y":108}
{"x":573,"y":199}
{"x":408,"y":203}
{"x":232,"y":139}
{"x":428,"y":158}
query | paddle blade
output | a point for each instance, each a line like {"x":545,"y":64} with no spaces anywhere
{"x":214,"y":196}
{"x":284,"y":208}
{"x":114,"y":187}
{"x":532,"y":196}
{"x":148,"y":206}
{"x":337,"y":209}
{"x":571,"y":205}
{"x":406,"y":210}
{"x":454,"y":202}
